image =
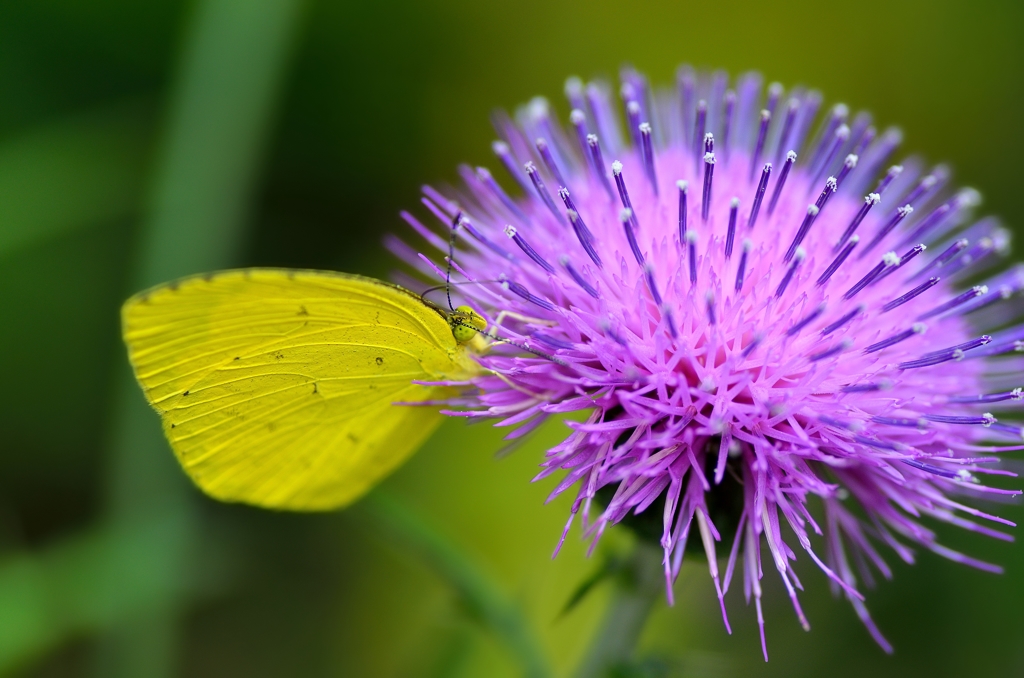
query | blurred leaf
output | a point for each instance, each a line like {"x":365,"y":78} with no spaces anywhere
{"x":72,"y":174}
{"x":609,"y":567}
{"x":82,"y":585}
{"x":480,"y":596}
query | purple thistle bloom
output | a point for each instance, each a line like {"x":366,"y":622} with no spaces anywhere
{"x":722,"y":388}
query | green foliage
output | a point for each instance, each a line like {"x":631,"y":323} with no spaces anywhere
{"x":141,"y":141}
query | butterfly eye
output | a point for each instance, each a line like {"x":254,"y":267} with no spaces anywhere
{"x":465,"y":323}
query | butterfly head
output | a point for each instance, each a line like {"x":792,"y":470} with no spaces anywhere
{"x":466,"y":324}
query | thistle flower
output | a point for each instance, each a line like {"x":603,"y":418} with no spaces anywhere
{"x":751,"y":313}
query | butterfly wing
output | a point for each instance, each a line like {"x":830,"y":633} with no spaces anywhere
{"x":276,"y":387}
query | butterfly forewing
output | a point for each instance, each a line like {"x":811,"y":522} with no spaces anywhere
{"x":276,"y":388}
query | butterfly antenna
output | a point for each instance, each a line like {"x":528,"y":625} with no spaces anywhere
{"x":524,"y":347}
{"x":456,"y":284}
{"x":451,"y":255}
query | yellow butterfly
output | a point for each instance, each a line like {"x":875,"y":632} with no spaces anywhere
{"x":276,"y":387}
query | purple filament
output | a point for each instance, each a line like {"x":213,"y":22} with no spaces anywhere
{"x":762,"y":133}
{"x":895,"y":339}
{"x":709,"y":172}
{"x":870,"y":200}
{"x":790,"y":159}
{"x":648,"y":153}
{"x":582,"y":234}
{"x":734,"y":206}
{"x":511,"y":232}
{"x":762,"y":186}
{"x":683,"y":187}
{"x":626,"y":217}
{"x":742,"y":267}
{"x":787,"y":127}
{"x":899,"y":301}
{"x":850,"y":315}
{"x":542,"y":191}
{"x":805,"y":227}
{"x":954,"y":302}
{"x":525,"y":294}
{"x":799,"y":257}
{"x":838,"y":261}
{"x":828,"y":353}
{"x":806,"y":320}
{"x":691,"y":246}
{"x":700,"y":127}
{"x":584,"y":285}
{"x":900,"y":214}
{"x":595,"y":157}
{"x":549,"y":161}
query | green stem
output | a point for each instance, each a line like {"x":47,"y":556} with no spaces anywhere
{"x":227,"y":87}
{"x":482,"y":598}
{"x":627,"y":613}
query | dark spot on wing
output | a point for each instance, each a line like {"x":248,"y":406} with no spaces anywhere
{"x":353,"y":438}
{"x":303,"y":311}
{"x":173,"y":425}
{"x":238,"y":357}
{"x":379,"y":360}
{"x":208,"y":277}
{"x":315,"y":390}
{"x":185,"y":393}
{"x":279,"y":355}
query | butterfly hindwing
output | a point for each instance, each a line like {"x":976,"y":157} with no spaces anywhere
{"x":276,"y":387}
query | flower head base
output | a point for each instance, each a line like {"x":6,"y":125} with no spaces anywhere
{"x":753,"y":313}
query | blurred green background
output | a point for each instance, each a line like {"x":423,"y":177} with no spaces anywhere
{"x":143,"y":141}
